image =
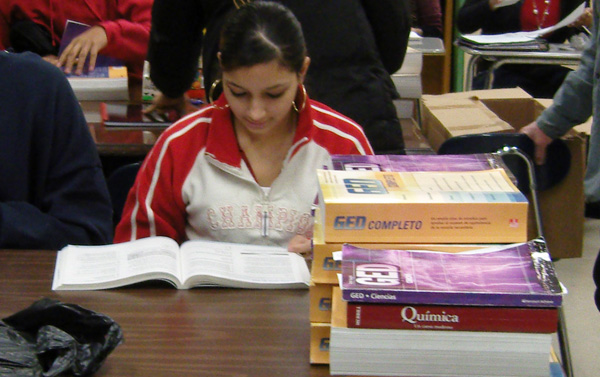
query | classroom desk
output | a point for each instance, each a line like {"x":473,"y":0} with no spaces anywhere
{"x":200,"y":332}
{"x":117,"y":142}
{"x":134,"y":144}
{"x":557,"y":55}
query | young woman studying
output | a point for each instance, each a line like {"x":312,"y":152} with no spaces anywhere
{"x":244,"y":168}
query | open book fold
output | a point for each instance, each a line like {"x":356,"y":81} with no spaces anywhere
{"x":194,"y":263}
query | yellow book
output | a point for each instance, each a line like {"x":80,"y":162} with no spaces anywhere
{"x":421,"y":207}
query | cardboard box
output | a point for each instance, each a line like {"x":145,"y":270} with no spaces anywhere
{"x":562,"y":206}
{"x":319,"y":342}
{"x":444,"y":117}
{"x":421,"y":207}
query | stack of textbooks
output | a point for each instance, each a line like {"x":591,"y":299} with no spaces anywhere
{"x":324,"y":268}
{"x":408,"y":83}
{"x":461,"y":214}
{"x":490,"y":312}
{"x":408,"y":78}
{"x":494,"y":43}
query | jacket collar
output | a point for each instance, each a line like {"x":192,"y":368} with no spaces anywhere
{"x":222,"y":143}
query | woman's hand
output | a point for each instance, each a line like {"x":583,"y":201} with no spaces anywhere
{"x":52,"y":59}
{"x":585,"y":19}
{"x":300,"y":245}
{"x":417,"y":31}
{"x":162,"y":104}
{"x":88,"y":43}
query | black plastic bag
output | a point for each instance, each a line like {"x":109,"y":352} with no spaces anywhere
{"x":50,"y":338}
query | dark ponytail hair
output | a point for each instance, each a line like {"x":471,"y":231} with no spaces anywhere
{"x":260,"y":32}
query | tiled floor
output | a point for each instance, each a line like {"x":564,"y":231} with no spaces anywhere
{"x":582,"y":317}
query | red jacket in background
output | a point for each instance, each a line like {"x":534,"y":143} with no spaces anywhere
{"x":127,"y":23}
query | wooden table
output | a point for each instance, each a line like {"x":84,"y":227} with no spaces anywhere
{"x":201,"y":332}
{"x":117,"y":142}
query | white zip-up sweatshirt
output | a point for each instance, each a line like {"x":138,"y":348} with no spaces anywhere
{"x":195,"y":184}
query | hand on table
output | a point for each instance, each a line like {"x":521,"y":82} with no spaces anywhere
{"x":585,"y":19}
{"x":88,"y":43}
{"x":300,"y":245}
{"x":417,"y":31}
{"x":163,"y":104}
{"x":52,"y":59}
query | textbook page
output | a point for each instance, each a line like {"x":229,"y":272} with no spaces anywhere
{"x":240,"y":265}
{"x":110,"y":266}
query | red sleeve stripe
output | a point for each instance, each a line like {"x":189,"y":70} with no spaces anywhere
{"x":156,"y":175}
{"x":342,"y":134}
{"x":338,"y":116}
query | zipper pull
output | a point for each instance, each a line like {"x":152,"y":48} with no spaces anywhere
{"x":265,"y":224}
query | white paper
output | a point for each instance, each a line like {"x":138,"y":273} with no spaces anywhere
{"x":505,"y":3}
{"x":525,"y":36}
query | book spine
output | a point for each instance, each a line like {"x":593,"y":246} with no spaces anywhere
{"x":452,"y":318}
{"x":535,"y":300}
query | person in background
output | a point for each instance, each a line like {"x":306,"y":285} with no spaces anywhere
{"x":492,"y":17}
{"x":53,"y":190}
{"x":427,"y":18}
{"x":354,"y":47}
{"x":576,"y":100}
{"x":119,"y":29}
{"x":243,"y":169}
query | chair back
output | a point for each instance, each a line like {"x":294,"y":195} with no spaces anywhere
{"x":119,"y":183}
{"x":556,"y":167}
{"x":554,"y":170}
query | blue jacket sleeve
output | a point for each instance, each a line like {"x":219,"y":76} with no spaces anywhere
{"x":573,"y":102}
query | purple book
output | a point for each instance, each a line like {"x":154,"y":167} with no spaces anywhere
{"x":410,"y":163}
{"x":520,"y":275}
{"x":72,"y":30}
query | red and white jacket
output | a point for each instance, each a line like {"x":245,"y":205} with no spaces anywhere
{"x":194,"y":183}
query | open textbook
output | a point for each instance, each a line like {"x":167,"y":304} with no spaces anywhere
{"x":194,"y":263}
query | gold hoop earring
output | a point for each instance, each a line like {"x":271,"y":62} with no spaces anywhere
{"x":303,"y":101}
{"x":240,"y":3}
{"x":211,"y":92}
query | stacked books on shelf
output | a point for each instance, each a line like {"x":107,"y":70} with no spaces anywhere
{"x":408,"y":78}
{"x":377,"y":204}
{"x":407,"y":81}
